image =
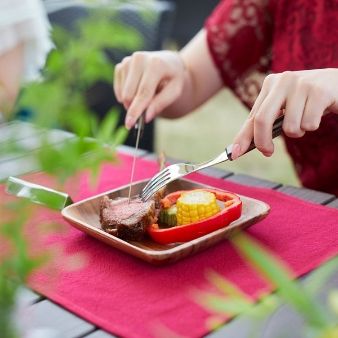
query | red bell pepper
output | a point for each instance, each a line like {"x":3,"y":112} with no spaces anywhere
{"x":184,"y":233}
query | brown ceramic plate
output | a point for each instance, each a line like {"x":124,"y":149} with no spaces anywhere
{"x":84,"y":215}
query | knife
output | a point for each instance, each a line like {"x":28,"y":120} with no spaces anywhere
{"x":139,"y":126}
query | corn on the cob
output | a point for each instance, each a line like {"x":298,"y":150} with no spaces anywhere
{"x":196,"y":205}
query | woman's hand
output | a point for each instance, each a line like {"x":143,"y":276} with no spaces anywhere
{"x":304,"y":95}
{"x":148,"y":81}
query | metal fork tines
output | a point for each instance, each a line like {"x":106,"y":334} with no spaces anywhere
{"x":175,"y":171}
{"x":164,"y":177}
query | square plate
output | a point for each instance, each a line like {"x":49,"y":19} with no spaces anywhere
{"x":85,"y":216}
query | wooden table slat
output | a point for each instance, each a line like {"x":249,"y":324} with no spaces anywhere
{"x":34,"y":142}
{"x":216,"y":172}
{"x":168,"y":159}
{"x":31,"y":296}
{"x":16,"y":130}
{"x":333,"y":204}
{"x":130,"y":150}
{"x":253,"y":181}
{"x":307,"y":194}
{"x":46,"y":314}
{"x":18,"y":167}
{"x":240,"y":327}
{"x":150,"y":156}
{"x":100,"y":334}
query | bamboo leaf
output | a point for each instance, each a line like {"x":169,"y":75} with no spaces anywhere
{"x":226,"y":287}
{"x":119,"y":136}
{"x":280,"y":276}
{"x":320,"y":275}
{"x":228,"y":306}
{"x":108,"y":126}
{"x":333,"y":301}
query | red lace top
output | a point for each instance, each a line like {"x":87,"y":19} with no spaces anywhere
{"x":249,"y":38}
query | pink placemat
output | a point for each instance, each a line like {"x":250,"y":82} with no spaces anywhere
{"x":128,"y":297}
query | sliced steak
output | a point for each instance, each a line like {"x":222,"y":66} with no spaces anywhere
{"x":127,"y":220}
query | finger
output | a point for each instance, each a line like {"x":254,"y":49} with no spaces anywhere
{"x":145,"y":93}
{"x":294,"y":109}
{"x":264,"y":119}
{"x":267,"y":84}
{"x":244,"y":137}
{"x":117,"y":83}
{"x":315,"y":108}
{"x":123,"y":75}
{"x":167,"y":95}
{"x":133,"y":78}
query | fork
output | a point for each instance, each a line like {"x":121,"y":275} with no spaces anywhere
{"x":178,"y":170}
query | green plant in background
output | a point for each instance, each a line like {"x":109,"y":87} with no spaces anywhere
{"x":79,"y":61}
{"x":320,"y":322}
{"x":59,"y":99}
{"x":16,"y":264}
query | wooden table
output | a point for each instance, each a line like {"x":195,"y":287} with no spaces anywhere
{"x":47,"y":314}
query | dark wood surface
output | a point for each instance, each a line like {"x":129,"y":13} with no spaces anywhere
{"x":67,"y":325}
{"x":333,"y":204}
{"x":49,"y":315}
{"x":32,"y":297}
{"x":253,"y":181}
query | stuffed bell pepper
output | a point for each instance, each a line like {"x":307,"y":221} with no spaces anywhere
{"x":186,"y":215}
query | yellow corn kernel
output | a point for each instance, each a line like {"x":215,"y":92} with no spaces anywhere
{"x":196,"y":205}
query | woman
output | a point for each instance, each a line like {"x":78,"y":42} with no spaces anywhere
{"x":243,"y":41}
{"x":24,"y":44}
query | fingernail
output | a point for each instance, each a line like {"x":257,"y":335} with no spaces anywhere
{"x":236,"y":149}
{"x":129,"y":122}
{"x":268,"y":153}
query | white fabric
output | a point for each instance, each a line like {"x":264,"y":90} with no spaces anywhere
{"x":25,"y":21}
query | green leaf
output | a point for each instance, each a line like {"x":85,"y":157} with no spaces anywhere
{"x":320,"y":275}
{"x":226,"y":287}
{"x":228,"y":306}
{"x":45,"y":100}
{"x":333,"y":301}
{"x":274,"y":271}
{"x":108,"y":126}
{"x":264,"y":307}
{"x":119,"y":136}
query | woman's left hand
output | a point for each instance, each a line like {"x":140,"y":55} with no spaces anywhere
{"x":304,"y":95}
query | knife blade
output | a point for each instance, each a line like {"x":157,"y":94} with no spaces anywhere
{"x":139,"y":126}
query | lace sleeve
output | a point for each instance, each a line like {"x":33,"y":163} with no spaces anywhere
{"x":239,"y":34}
{"x":24,"y":21}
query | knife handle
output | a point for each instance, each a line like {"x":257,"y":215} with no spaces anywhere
{"x":37,"y":193}
{"x":276,"y":131}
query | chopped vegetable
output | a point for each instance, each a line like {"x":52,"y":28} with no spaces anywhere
{"x":187,"y":232}
{"x":193,"y":206}
{"x":168,"y":216}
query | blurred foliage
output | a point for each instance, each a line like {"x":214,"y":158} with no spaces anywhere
{"x":229,"y":301}
{"x":78,"y":62}
{"x":59,"y":99}
{"x":16,"y":263}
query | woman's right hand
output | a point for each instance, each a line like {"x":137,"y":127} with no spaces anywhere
{"x":148,"y":81}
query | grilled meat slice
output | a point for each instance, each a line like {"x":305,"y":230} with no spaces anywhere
{"x":127,"y":220}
